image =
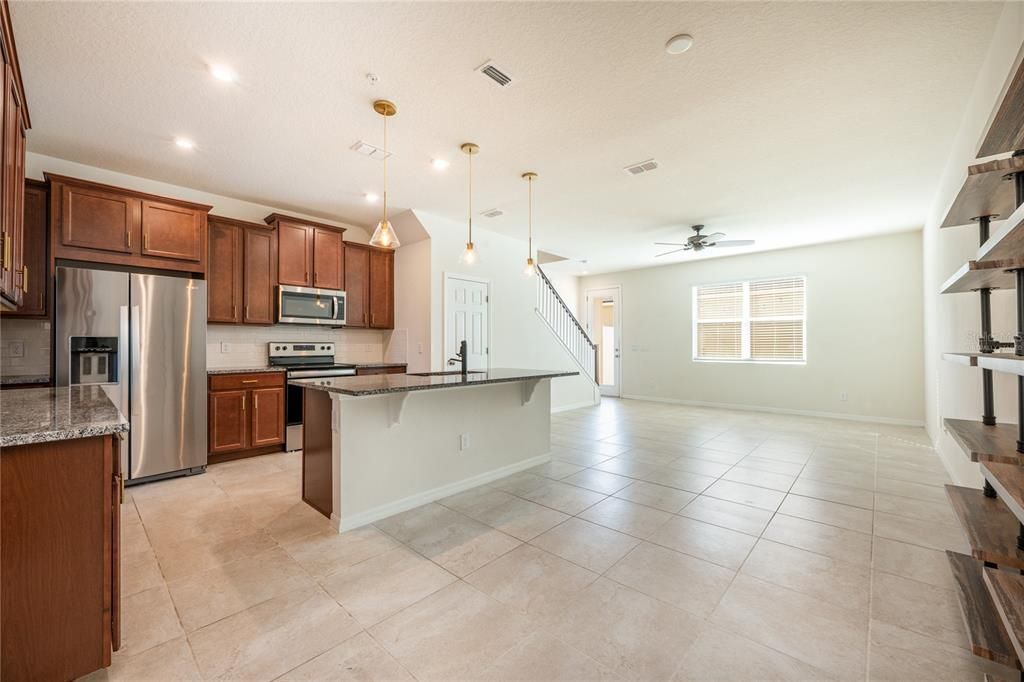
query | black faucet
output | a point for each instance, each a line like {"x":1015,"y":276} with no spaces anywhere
{"x":463,"y":357}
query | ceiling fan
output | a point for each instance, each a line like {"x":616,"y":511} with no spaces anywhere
{"x":699,"y":242}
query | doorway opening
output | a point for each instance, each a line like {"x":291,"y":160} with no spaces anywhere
{"x":604,"y":327}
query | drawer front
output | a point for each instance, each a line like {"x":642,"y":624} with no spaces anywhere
{"x":235,"y":382}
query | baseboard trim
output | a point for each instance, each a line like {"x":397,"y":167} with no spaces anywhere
{"x":574,"y":406}
{"x":776,"y":410}
{"x":411,"y":502}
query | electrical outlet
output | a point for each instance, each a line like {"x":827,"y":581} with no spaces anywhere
{"x":419,"y":348}
{"x":225,"y":347}
{"x":16,"y":349}
{"x":464,"y":441}
{"x":843,"y":397}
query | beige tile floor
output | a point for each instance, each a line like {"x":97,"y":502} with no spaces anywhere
{"x":660,"y":543}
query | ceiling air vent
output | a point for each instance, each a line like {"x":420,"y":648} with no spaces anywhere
{"x":496,"y":74}
{"x":642,"y":167}
{"x":367,"y":149}
{"x":492,"y":213}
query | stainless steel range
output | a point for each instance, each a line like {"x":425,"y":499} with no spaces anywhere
{"x":303,"y":361}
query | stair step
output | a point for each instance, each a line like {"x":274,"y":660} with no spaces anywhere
{"x":983,"y":443}
{"x":1008,"y":480}
{"x":990,"y":527}
{"x":1007,"y":593}
{"x":985,"y":632}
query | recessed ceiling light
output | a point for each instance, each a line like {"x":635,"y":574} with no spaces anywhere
{"x":439,"y":164}
{"x":223,"y":73}
{"x":184,"y":143}
{"x":371,"y":197}
{"x":679,"y":44}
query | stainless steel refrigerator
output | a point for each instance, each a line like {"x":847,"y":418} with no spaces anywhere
{"x":143,"y":338}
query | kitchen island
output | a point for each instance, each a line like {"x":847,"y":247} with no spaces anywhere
{"x":377,"y":445}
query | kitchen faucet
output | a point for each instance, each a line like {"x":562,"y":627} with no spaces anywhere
{"x":463,"y":357}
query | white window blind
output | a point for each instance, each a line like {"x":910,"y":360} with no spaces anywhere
{"x":755,"y":321}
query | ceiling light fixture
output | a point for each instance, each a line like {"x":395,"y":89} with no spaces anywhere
{"x":470,"y":150}
{"x":371,"y":197}
{"x":531,"y":268}
{"x":384,"y":235}
{"x":440,"y":164}
{"x":679,"y":44}
{"x":223,"y":73}
{"x":184,"y":143}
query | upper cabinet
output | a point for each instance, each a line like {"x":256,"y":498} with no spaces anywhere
{"x":241,"y":272}
{"x":35,"y":264}
{"x":382,"y":288}
{"x":14,"y":123}
{"x":369,"y":286}
{"x":103,"y":224}
{"x":309,"y":254}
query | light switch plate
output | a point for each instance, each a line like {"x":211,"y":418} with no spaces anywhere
{"x":225,"y":347}
{"x":16,"y":349}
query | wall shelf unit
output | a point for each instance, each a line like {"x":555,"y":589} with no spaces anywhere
{"x":987,"y":190}
{"x":986,"y":632}
{"x":1007,"y":240}
{"x":990,"y":528}
{"x":983,"y":443}
{"x":1007,"y":592}
{"x":975,"y":275}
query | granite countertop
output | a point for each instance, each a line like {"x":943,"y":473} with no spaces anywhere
{"x":379,"y":384}
{"x":243,"y":370}
{"x":40,"y":415}
{"x":23,"y":379}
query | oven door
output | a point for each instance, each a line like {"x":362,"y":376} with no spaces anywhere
{"x":305,"y":305}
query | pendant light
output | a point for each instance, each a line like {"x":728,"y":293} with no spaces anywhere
{"x":469,"y":255}
{"x":384,"y":235}
{"x":531,"y":268}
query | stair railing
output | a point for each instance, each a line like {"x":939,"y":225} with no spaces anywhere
{"x":566,"y":327}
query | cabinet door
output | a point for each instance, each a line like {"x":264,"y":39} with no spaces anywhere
{"x":382,"y":289}
{"x":228,"y":422}
{"x":224,"y":274}
{"x":267,"y":417}
{"x":260,"y":261}
{"x":18,"y":248}
{"x":170,"y":231}
{"x":7,"y":153}
{"x":357,"y":283}
{"x":100,"y":220}
{"x":328,"y":254}
{"x":294,"y":254}
{"x":35,"y":265}
{"x":12,"y":280}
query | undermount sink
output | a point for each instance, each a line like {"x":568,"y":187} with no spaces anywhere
{"x":443,"y":374}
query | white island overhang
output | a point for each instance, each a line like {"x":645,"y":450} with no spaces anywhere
{"x":377,"y":445}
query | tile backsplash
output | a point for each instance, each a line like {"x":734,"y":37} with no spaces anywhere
{"x":247,"y":346}
{"x":24,"y":347}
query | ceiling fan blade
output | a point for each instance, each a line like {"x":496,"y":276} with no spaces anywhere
{"x":668,"y":244}
{"x":734,"y":242}
{"x":713,"y":237}
{"x":669,"y":253}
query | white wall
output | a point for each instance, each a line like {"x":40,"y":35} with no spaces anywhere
{"x":518,"y":337}
{"x":413,"y":304}
{"x":864,"y":323}
{"x":952,"y":322}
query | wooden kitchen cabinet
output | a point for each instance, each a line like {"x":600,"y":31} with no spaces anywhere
{"x":241,"y":272}
{"x":35,"y":264}
{"x":14,"y":124}
{"x":246,"y":414}
{"x":357,"y":285}
{"x":309,"y":254}
{"x":382,"y":289}
{"x":98,"y":223}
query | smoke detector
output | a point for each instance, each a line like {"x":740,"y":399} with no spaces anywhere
{"x":496,"y":74}
{"x":367,"y":149}
{"x":492,"y":213}
{"x":641,"y":167}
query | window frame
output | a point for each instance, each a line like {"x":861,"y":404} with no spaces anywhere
{"x":745,"y":326}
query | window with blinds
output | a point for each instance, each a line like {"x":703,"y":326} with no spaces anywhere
{"x":757,"y":321}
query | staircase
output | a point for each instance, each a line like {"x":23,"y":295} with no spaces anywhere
{"x":566,"y":328}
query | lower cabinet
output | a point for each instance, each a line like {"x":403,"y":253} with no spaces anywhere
{"x":246,"y":413}
{"x":60,"y":558}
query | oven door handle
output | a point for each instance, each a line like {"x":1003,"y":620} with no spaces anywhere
{"x":318,"y":373}
{"x":334,"y":307}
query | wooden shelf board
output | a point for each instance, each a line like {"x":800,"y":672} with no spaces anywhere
{"x":985,"y":443}
{"x":1007,"y":593}
{"x":969,"y":359}
{"x":985,"y":191}
{"x":1002,"y":362}
{"x":1005,"y":131}
{"x":1006,"y":238}
{"x":1008,"y":480}
{"x":985,"y":631}
{"x":974,"y":275}
{"x":990,"y":527}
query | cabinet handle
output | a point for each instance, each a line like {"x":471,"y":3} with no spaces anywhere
{"x":24,"y":279}
{"x":305,"y":274}
{"x":316,"y":277}
{"x":234,"y":311}
{"x":7,"y":251}
{"x":373,"y":319}
{"x":128,"y":236}
{"x":243,"y":402}
{"x":250,"y":381}
{"x":247,"y":312}
{"x":364,"y":318}
{"x":145,"y":240}
{"x":256,"y":404}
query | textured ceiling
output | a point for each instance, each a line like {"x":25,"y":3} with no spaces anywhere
{"x":788,"y":123}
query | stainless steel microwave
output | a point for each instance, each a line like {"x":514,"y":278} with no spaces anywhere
{"x":308,"y":305}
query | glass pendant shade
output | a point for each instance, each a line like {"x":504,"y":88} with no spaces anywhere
{"x":469,"y":255}
{"x":384,"y":236}
{"x":531,"y":268}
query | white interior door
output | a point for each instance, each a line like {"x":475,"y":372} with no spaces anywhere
{"x":466,"y":316}
{"x":605,"y":329}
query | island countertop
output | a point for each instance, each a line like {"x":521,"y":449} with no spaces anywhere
{"x":379,"y":384}
{"x":40,"y":415}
